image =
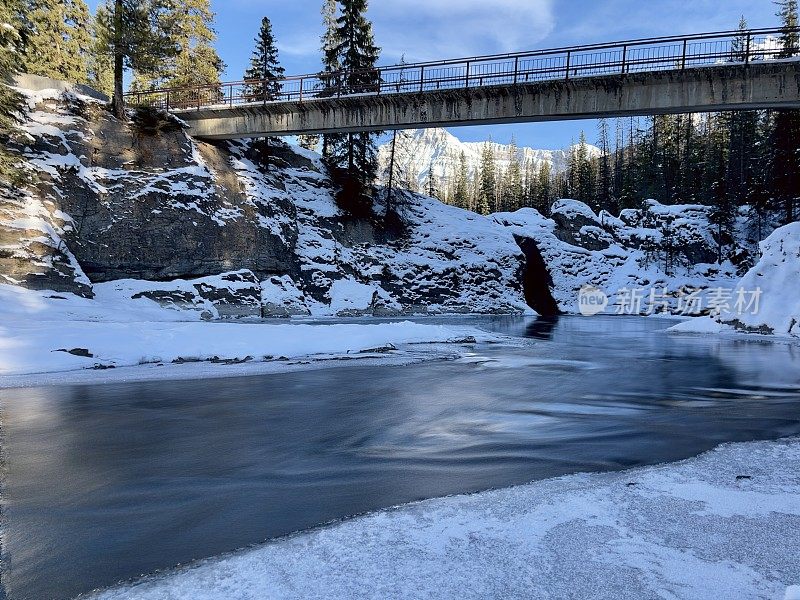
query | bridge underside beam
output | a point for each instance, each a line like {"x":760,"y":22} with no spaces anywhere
{"x":738,"y":87}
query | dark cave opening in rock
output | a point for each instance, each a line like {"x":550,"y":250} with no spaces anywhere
{"x":536,"y":279}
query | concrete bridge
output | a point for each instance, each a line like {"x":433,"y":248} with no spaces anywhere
{"x":698,"y":73}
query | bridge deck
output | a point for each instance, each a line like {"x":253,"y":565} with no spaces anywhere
{"x":704,"y":72}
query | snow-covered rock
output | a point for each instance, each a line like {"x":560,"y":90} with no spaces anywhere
{"x":141,"y":201}
{"x":280,"y":297}
{"x":662,"y":254}
{"x":229,"y":295}
{"x":121,"y":327}
{"x":770,"y":301}
{"x":33,"y":252}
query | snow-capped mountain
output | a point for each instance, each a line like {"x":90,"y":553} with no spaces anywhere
{"x":421,"y":151}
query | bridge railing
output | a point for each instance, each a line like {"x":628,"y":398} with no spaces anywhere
{"x":559,"y":64}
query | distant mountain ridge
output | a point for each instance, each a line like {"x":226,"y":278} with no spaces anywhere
{"x":421,"y":151}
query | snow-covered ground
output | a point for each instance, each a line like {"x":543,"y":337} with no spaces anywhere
{"x":43,"y":332}
{"x":722,"y":525}
{"x":775,"y":283}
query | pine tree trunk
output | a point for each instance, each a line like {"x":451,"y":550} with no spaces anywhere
{"x":118,"y":102}
{"x":391,"y":175}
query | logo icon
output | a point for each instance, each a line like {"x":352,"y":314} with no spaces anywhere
{"x":591,"y":301}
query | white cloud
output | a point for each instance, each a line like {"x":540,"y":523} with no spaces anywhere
{"x":439,"y":29}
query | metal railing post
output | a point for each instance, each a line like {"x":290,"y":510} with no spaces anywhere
{"x":466,"y":80}
{"x":747,"y":51}
{"x":569,"y":60}
{"x":683,"y":60}
{"x":624,"y":57}
{"x":516,"y":69}
{"x":422,"y":79}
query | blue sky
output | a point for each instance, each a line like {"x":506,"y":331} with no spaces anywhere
{"x":438,"y":29}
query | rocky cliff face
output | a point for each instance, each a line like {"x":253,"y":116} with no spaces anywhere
{"x":215,"y":230}
{"x":127,"y":202}
{"x":667,"y":250}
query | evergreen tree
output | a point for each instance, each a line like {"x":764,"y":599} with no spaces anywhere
{"x":544,"y":189}
{"x":743,"y":156}
{"x":264,"y":80}
{"x":11,"y":103}
{"x":786,"y":131}
{"x":59,"y":40}
{"x":739,"y":43}
{"x":461,"y":192}
{"x":138,"y":35}
{"x":790,"y":38}
{"x":627,"y":191}
{"x":354,"y":155}
{"x":723,"y":210}
{"x":580,"y":179}
{"x":196,"y":62}
{"x":330,"y":61}
{"x":487,"y":195}
{"x":99,"y":64}
{"x":529,"y":185}
{"x":265,"y":71}
{"x":431,"y":187}
{"x":513,"y":192}
{"x":605,"y":188}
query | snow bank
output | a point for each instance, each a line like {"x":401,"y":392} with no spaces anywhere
{"x":776,"y":281}
{"x":723,"y":525}
{"x":28,"y":348}
{"x":43,"y":332}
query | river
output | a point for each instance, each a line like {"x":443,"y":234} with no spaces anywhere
{"x":107,"y":482}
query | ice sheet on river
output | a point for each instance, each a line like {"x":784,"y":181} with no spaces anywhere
{"x":723,"y":525}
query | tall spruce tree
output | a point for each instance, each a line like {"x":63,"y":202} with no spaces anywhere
{"x":487,"y":194}
{"x":544,"y":189}
{"x":786,"y":131}
{"x":723,"y":209}
{"x":739,"y":43}
{"x":790,"y":37}
{"x":263,"y":78}
{"x":431,"y":183}
{"x":513,"y":191}
{"x":580,"y":174}
{"x":330,"y":60}
{"x":138,"y":35}
{"x":354,"y":155}
{"x":11,"y":103}
{"x":461,"y":192}
{"x":265,"y":70}
{"x":60,"y":39}
{"x":100,"y":64}
{"x":605,"y":188}
{"x":197,"y":62}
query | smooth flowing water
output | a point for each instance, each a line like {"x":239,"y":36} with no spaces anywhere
{"x":106,"y":482}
